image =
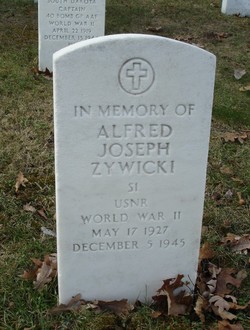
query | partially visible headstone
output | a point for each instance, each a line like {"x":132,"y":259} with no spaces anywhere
{"x":236,"y":7}
{"x":65,"y":22}
{"x":132,"y":124}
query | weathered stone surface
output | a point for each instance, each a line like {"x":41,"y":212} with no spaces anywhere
{"x":65,"y":22}
{"x":132,"y":124}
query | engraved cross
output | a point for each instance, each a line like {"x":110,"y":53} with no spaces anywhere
{"x":136,"y":74}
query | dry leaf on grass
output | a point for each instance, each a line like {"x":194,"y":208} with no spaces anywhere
{"x":239,"y":73}
{"x":224,"y":278}
{"x":245,"y":88}
{"x":43,"y":272}
{"x":206,"y":252}
{"x":226,"y":325}
{"x":42,"y":214}
{"x":220,"y":307}
{"x":212,"y":283}
{"x":29,"y":274}
{"x":46,"y":272}
{"x":118,"y":307}
{"x":213,"y":287}
{"x":47,"y":74}
{"x":240,"y":137}
{"x":74,"y":304}
{"x":20,"y":182}
{"x":176,"y":304}
{"x":29,"y":208}
{"x":238,"y":244}
{"x":200,"y":306}
{"x":241,"y":200}
{"x":235,"y":306}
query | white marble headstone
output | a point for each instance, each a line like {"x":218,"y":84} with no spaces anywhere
{"x":236,"y":7}
{"x":65,"y":22}
{"x":132,"y":123}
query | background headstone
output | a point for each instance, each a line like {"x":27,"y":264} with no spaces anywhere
{"x":132,"y":123}
{"x":236,"y":7}
{"x":65,"y":22}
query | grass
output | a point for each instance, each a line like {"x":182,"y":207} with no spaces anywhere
{"x":26,"y":144}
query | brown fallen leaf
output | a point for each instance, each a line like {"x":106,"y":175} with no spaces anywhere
{"x":238,"y":244}
{"x":32,"y":273}
{"x":42,"y":214}
{"x":29,"y":275}
{"x":235,"y":306}
{"x":220,"y":307}
{"x":176,"y":303}
{"x":200,"y":306}
{"x":245,"y":88}
{"x":118,"y":307}
{"x":224,"y":278}
{"x":240,"y":137}
{"x":206,"y":252}
{"x":37,"y":262}
{"x":230,"y":238}
{"x":43,"y":272}
{"x":226,"y":325}
{"x":74,"y":304}
{"x":47,"y":74}
{"x":212,"y":283}
{"x":241,"y":200}
{"x":43,"y":276}
{"x":20,"y":182}
{"x":242,"y":245}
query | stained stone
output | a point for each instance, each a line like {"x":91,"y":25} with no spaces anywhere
{"x":132,"y":123}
